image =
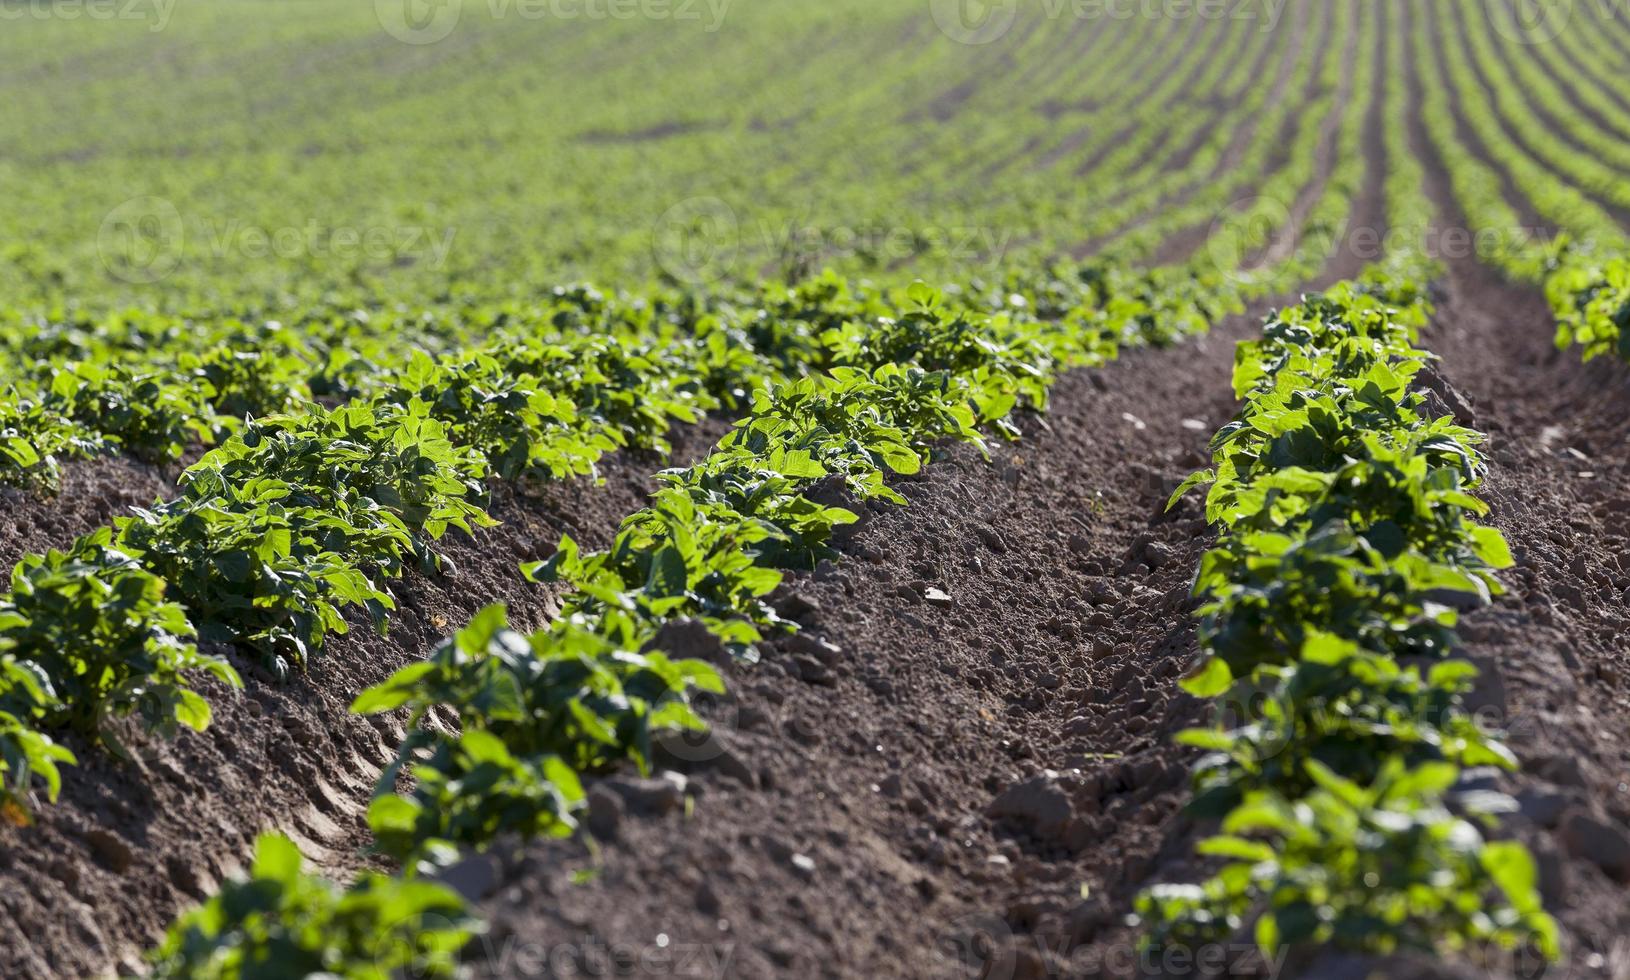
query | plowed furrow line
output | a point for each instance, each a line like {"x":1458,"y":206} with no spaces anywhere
{"x":878,"y":796}
{"x":1554,"y":646}
{"x":1428,"y":45}
{"x":847,"y":830}
{"x":1246,"y":133}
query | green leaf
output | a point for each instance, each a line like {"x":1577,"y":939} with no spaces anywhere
{"x":393,"y":692}
{"x":1210,"y":679}
{"x":1201,"y":478}
{"x":277,"y":858}
{"x":1237,"y":848}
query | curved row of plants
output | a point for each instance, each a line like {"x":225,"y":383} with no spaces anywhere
{"x":1584,"y":272}
{"x":896,"y":380}
{"x":154,"y":386}
{"x":1350,"y":540}
{"x":157,"y":385}
{"x":583,"y":187}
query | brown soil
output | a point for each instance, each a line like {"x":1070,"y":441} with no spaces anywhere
{"x":1559,"y":486}
{"x":92,"y":493}
{"x":976,"y":786}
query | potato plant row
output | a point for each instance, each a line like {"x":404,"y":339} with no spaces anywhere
{"x":153,"y":385}
{"x":597,"y":689}
{"x":1349,"y":544}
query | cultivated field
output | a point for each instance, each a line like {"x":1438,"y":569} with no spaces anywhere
{"x":857,"y":488}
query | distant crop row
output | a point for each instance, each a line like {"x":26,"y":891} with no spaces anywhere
{"x":1584,"y":269}
{"x":416,"y":140}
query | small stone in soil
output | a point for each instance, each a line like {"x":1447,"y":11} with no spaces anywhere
{"x":1587,"y":837}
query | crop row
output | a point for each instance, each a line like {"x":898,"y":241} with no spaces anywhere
{"x":945,"y":144}
{"x":1247,"y":202}
{"x":155,"y":385}
{"x":298,"y":517}
{"x":598,"y":688}
{"x":1328,"y":631}
{"x":1584,"y":270}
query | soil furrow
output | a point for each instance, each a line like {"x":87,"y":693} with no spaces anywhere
{"x":1569,"y":88}
{"x":1284,"y":245}
{"x":1139,"y":68}
{"x":1230,"y":158}
{"x":1553,"y":649}
{"x":1468,"y":138}
{"x":1184,"y":244}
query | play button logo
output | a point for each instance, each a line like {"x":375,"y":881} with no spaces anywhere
{"x":1535,"y":21}
{"x":418,"y":21}
{"x":974,"y":21}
